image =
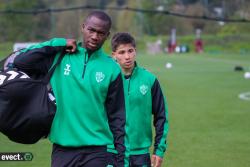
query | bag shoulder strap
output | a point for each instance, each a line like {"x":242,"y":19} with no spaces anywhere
{"x":46,"y":79}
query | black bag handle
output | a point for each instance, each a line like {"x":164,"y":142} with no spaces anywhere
{"x":3,"y":61}
{"x":46,"y":79}
{"x":2,"y":64}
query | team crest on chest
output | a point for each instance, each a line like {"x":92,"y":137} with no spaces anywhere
{"x":143,"y":89}
{"x":99,"y":76}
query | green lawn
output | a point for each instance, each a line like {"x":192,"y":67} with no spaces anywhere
{"x":209,"y":124}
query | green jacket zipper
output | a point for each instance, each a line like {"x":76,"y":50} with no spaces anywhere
{"x":85,"y":65}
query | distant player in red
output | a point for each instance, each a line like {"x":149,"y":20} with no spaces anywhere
{"x":198,"y":45}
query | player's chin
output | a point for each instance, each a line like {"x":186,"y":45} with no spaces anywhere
{"x":92,"y":47}
{"x":128,"y":66}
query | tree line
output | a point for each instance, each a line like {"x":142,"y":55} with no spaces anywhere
{"x":18,"y":27}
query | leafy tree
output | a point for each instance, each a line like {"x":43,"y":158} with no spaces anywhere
{"x":21,"y":27}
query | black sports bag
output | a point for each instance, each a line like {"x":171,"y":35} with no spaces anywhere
{"x":26,"y":111}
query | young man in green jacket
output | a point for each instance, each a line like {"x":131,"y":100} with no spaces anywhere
{"x":89,"y":95}
{"x":144,"y":98}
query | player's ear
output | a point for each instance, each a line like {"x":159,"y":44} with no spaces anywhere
{"x":83,"y":26}
{"x":108,"y":33}
{"x":113,"y":55}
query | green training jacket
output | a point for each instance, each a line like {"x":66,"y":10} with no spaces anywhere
{"x":144,"y":98}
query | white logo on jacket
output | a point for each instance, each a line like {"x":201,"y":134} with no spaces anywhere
{"x":99,"y":76}
{"x":143,"y":89}
{"x":67,"y":69}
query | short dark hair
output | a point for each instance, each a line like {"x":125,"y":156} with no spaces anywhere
{"x":100,"y":15}
{"x":122,"y":38}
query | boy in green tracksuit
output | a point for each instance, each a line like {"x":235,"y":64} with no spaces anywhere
{"x":143,"y":98}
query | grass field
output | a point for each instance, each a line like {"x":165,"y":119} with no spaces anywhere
{"x":209,"y":124}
